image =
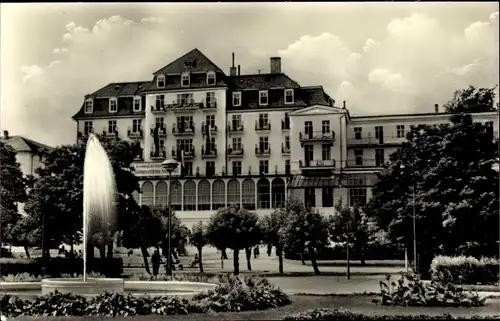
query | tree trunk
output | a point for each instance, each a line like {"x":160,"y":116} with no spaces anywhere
{"x":71,"y":246}
{"x":110,"y":250}
{"x":200,"y":250}
{"x":360,"y":252}
{"x":279,"y":251}
{"x":236,"y":261}
{"x":314,"y":263}
{"x":302,"y":258}
{"x":145,"y":256}
{"x":27,"y":251}
{"x":102,"y":250}
{"x":248,"y":252}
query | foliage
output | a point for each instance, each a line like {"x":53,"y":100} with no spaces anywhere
{"x":410,"y":290}
{"x":175,"y":277}
{"x":472,"y":100}
{"x":198,"y":236}
{"x":12,"y":191}
{"x":180,"y":232}
{"x":231,"y":295}
{"x":271,"y":226}
{"x":465,"y":270}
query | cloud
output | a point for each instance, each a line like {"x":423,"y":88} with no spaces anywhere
{"x":418,"y":62}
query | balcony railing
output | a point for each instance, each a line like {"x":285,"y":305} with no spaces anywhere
{"x":327,"y":163}
{"x":234,"y":129}
{"x":262,"y":126}
{"x":209,"y":105}
{"x":370,"y":140}
{"x":363,"y":162}
{"x":185,"y":105}
{"x":158,"y":108}
{"x":262,"y":151}
{"x":208,"y":153}
{"x":187,"y":129}
{"x":188,"y":153}
{"x":285,"y":150}
{"x":285,"y":125}
{"x":162,"y":131}
{"x":161,"y":153}
{"x":113,"y":133}
{"x":213,"y":129}
{"x":134,"y":133}
{"x":234,"y":153}
{"x":318,"y":136}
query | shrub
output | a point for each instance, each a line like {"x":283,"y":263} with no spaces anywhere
{"x":341,"y":315}
{"x":410,"y":290}
{"x":21,"y":277}
{"x":465,"y":270}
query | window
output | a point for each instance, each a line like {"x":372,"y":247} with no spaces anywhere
{"x":289,"y":96}
{"x":211,"y":78}
{"x":327,"y":197}
{"x":308,"y":127}
{"x":400,"y":131}
{"x":489,"y":124}
{"x":210,"y":168}
{"x":287,"y":142}
{"x":160,"y":102}
{"x":264,"y":167}
{"x":325,"y":126}
{"x":184,"y":123}
{"x":310,"y":196}
{"x":326,"y":151}
{"x":379,"y":157}
{"x":237,"y":143}
{"x":185,"y":79}
{"x":159,"y":122}
{"x":189,"y":196}
{"x":357,"y":196}
{"x":263,"y":97}
{"x":286,"y":123}
{"x":237,"y":99}
{"x":237,"y":168}
{"x":137,"y":104}
{"x":184,"y":144}
{"x":136,"y":125}
{"x":87,"y":127}
{"x":357,"y":132}
{"x":379,"y":131}
{"x":160,"y":81}
{"x":113,"y":105}
{"x":89,"y":106}
{"x":187,"y":169}
{"x":236,"y":121}
{"x":204,"y":196}
{"x":287,"y":166}
{"x":210,"y":98}
{"x":358,"y":157}
{"x":263,"y":143}
{"x":184,"y":99}
{"x":111,"y":126}
{"x":263,"y":120}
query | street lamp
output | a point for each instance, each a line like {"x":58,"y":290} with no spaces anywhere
{"x":342,"y":178}
{"x":414,"y":211}
{"x":169,"y":165}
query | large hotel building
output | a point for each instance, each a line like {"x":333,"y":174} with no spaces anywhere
{"x":254,"y":140}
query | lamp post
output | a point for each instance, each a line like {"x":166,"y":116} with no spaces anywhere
{"x":341,"y":179}
{"x":169,"y":165}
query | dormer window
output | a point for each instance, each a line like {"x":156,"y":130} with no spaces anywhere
{"x":263,"y":99}
{"x":137,"y":103}
{"x":160,"y":81}
{"x":185,"y":79}
{"x":211,"y":78}
{"x":89,"y":106}
{"x":237,"y":99}
{"x":289,"y":99}
{"x":113,"y":105}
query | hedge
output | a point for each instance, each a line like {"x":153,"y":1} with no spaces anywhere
{"x":466,"y":270}
{"x":58,"y":266}
{"x":339,"y":253}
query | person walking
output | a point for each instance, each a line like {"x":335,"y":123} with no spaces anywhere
{"x":155,"y":261}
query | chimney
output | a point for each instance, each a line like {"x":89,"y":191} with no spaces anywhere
{"x":275,"y":65}
{"x":436,"y":108}
{"x":343,"y":106}
{"x":232,"y":70}
{"x":239,"y":70}
{"x":6,"y":134}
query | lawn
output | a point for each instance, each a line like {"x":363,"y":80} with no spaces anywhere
{"x":358,"y":304}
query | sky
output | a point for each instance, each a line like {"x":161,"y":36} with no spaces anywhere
{"x":381,"y":58}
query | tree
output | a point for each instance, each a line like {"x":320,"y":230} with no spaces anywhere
{"x":271,"y":225}
{"x":12,"y":191}
{"x":234,"y":228}
{"x":305,"y":230}
{"x":198,"y":239}
{"x":472,"y":100}
{"x":179,"y":231}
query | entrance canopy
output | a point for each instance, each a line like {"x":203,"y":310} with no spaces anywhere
{"x":299,"y":181}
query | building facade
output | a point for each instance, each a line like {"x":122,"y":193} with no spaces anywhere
{"x":252,"y":140}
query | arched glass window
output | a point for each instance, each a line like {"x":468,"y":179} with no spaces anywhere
{"x":263,"y":193}
{"x":218,"y":194}
{"x":190,"y":196}
{"x":204,"y":196}
{"x":248,"y":194}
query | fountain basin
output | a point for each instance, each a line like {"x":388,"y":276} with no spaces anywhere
{"x":78,"y":286}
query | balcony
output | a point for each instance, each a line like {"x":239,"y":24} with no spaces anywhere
{"x":317,"y":167}
{"x":360,"y":162}
{"x":212,"y":153}
{"x":235,"y":153}
{"x":388,"y":140}
{"x":262,"y":152}
{"x":158,"y":108}
{"x":212,"y":129}
{"x":162,"y":132}
{"x":285,"y":125}
{"x":262,"y":126}
{"x":188,"y":154}
{"x":159,"y":154}
{"x":319,"y":136}
{"x":209,"y":105}
{"x":234,"y":129}
{"x":134,"y":133}
{"x":108,"y":133}
{"x":285,"y":150}
{"x":184,"y":106}
{"x":186,"y":130}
